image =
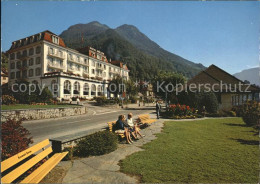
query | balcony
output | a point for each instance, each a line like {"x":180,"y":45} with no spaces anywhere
{"x":56,"y":54}
{"x":56,"y":66}
{"x":99,"y":68}
{"x":71,"y":69}
{"x":22,"y":57}
{"x":85,"y":75}
{"x":72,"y":59}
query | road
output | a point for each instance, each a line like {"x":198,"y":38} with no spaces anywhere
{"x":95,"y":119}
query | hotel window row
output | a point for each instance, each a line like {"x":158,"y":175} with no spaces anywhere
{"x":17,"y":75}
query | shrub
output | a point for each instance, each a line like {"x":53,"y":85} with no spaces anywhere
{"x":46,"y":95}
{"x":8,"y":100}
{"x":133,"y":99}
{"x":101,"y":100}
{"x":231,"y":113}
{"x":15,"y":138}
{"x":209,"y":101}
{"x":251,"y":113}
{"x":98,"y":143}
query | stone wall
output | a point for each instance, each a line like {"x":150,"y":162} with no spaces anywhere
{"x":34,"y":114}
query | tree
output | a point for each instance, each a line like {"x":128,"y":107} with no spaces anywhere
{"x":117,"y":85}
{"x":209,"y":100}
{"x":4,"y":61}
{"x":15,"y":138}
{"x":166,"y":82}
{"x":131,"y":89}
{"x":46,"y":95}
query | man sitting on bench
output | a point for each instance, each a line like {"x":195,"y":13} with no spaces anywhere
{"x":120,"y":126}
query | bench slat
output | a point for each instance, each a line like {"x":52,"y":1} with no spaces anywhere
{"x":6,"y":164}
{"x":24,"y":167}
{"x":44,"y":169}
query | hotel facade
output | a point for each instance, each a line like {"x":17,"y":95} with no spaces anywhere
{"x":44,"y":59}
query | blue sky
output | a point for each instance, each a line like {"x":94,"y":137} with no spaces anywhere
{"x":222,"y":33}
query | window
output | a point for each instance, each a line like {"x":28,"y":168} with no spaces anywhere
{"x":39,"y":36}
{"x":31,"y":51}
{"x":24,"y":73}
{"x":60,"y":53}
{"x":76,"y":88}
{"x":93,"y":63}
{"x":24,"y":63}
{"x":93,"y":90}
{"x":60,"y":62}
{"x":86,"y":89}
{"x":104,"y":74}
{"x":85,"y":61}
{"x":51,"y":61}
{"x":31,"y":62}
{"x":12,"y":75}
{"x":38,"y":50}
{"x":18,"y":55}
{"x":54,"y":87}
{"x":51,"y":51}
{"x":12,"y":56}
{"x":78,"y":59}
{"x":71,"y":65}
{"x":55,"y":39}
{"x":25,"y":53}
{"x":32,"y":39}
{"x":105,"y":67}
{"x":93,"y":71}
{"x":18,"y":64}
{"x":99,"y":90}
{"x":38,"y":60}
{"x":38,"y":71}
{"x":78,"y":67}
{"x":30,"y":72}
{"x":18,"y":74}
{"x":12,"y":65}
{"x":67,"y":87}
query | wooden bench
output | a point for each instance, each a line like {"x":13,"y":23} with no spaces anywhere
{"x":34,"y":155}
{"x":145,"y":118}
{"x":110,"y":126}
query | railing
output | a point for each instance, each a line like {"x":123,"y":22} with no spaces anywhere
{"x":56,"y":54}
{"x":99,"y":68}
{"x":56,"y":66}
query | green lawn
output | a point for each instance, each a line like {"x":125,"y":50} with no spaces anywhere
{"x":205,"y":151}
{"x":25,"y":106}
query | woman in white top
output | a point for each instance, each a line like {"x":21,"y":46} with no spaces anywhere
{"x":132,"y":127}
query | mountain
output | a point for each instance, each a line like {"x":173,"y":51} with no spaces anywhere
{"x":252,"y":75}
{"x":126,"y":43}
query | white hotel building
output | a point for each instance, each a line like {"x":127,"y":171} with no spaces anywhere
{"x":44,"y":59}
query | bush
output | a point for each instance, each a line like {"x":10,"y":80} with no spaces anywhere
{"x":101,"y":100}
{"x":251,"y":113}
{"x":15,"y":138}
{"x":209,"y":101}
{"x":8,"y":100}
{"x":98,"y":143}
{"x":133,"y":99}
{"x":46,"y":95}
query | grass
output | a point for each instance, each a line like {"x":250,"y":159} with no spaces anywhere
{"x":26,"y":106}
{"x":203,"y":151}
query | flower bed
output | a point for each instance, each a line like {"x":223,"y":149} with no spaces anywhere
{"x":177,"y":111}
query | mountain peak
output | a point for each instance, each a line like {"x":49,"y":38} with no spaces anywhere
{"x":96,"y":23}
{"x":127,"y":27}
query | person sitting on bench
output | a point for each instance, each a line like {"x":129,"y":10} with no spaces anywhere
{"x":120,"y":126}
{"x":132,"y":127}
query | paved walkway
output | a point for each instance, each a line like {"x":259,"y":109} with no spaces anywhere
{"x":105,"y":168}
